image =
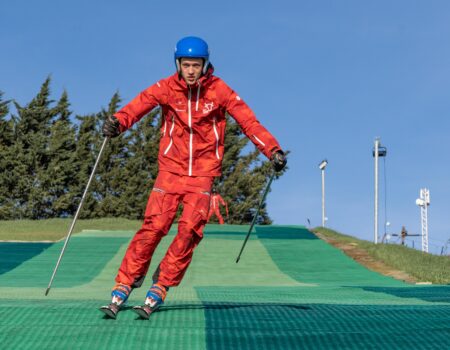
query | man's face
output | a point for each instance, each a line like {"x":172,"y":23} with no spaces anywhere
{"x":191,"y":69}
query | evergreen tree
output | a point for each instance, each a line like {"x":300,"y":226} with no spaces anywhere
{"x":112,"y":180}
{"x":87,"y":142}
{"x":47,"y":161}
{"x":60,"y":178}
{"x":32,"y":131}
{"x":244,"y":178}
{"x":6,"y":162}
{"x":141,"y":167}
{"x":6,"y":126}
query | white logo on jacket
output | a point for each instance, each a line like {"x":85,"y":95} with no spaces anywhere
{"x":208,"y":107}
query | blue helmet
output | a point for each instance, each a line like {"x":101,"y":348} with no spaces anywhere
{"x":192,"y":46}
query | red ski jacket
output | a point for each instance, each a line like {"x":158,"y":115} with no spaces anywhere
{"x":193,"y":123}
{"x":217,"y":199}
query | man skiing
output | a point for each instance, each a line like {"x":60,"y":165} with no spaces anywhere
{"x":214,"y":206}
{"x":193,"y":106}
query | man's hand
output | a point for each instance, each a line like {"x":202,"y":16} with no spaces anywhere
{"x":111,"y":127}
{"x":278,"y":160}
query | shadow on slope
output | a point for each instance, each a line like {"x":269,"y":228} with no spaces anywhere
{"x":12,"y":254}
{"x":432,"y":294}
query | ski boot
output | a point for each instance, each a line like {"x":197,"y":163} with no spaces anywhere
{"x":119,"y":295}
{"x":154,"y":299}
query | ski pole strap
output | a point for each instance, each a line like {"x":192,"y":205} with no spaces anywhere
{"x":256,"y":215}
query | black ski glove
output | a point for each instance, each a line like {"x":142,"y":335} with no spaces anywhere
{"x":111,"y":127}
{"x":278,"y":160}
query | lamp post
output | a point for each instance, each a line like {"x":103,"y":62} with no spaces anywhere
{"x":322,"y":167}
{"x":378,"y":151}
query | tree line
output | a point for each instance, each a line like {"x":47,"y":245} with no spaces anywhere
{"x":47,"y":154}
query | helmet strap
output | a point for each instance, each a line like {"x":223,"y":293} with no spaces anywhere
{"x":205,"y":66}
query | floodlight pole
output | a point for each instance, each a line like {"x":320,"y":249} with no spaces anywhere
{"x":378,"y":151}
{"x":377,"y":145}
{"x":323,"y":197}
{"x":323,"y":164}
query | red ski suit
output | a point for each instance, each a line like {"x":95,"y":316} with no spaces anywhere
{"x":214,"y":207}
{"x":190,"y":156}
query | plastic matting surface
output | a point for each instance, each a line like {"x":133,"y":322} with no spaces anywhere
{"x":289,"y":291}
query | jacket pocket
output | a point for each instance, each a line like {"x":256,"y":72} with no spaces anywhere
{"x":155,"y":202}
{"x":201,"y":210}
{"x":172,"y":126}
{"x":216,"y":134}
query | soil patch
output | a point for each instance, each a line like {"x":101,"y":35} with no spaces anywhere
{"x":361,"y":256}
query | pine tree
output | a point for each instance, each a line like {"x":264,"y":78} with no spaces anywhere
{"x":87,"y":142}
{"x":60,"y":178}
{"x":244,"y":178}
{"x":112,"y":180}
{"x":141,"y":167}
{"x":6,"y":162}
{"x":6,"y":127}
{"x":48,"y":160}
{"x":32,"y":131}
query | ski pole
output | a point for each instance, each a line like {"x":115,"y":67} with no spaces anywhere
{"x":76,"y":214}
{"x":256,"y":215}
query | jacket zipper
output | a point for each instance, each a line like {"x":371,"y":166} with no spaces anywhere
{"x":170,"y":135}
{"x":190,"y":130}
{"x":198,"y":97}
{"x":217,"y":137}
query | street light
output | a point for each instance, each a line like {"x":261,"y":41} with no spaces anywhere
{"x":322,"y":166}
{"x":378,"y":151}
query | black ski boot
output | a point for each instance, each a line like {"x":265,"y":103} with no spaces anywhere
{"x":110,"y":310}
{"x":144,"y":311}
{"x":120,"y":294}
{"x":154,"y":299}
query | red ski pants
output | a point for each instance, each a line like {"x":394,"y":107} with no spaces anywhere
{"x":168,"y":192}
{"x":217,"y":212}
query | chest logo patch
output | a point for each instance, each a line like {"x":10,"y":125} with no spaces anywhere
{"x":208,"y":107}
{"x":180,"y":105}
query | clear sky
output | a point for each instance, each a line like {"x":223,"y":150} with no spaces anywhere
{"x":325,"y":77}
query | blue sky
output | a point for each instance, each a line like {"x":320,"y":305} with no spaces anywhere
{"x":325,"y":77}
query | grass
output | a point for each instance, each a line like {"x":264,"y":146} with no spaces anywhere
{"x":422,"y":266}
{"x":56,"y":229}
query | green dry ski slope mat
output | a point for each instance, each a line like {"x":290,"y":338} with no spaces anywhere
{"x":289,"y":291}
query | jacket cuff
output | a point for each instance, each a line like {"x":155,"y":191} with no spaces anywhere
{"x":122,"y":127}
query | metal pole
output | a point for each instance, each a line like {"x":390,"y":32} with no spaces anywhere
{"x":76,"y":215}
{"x":323,"y":197}
{"x":377,"y":143}
{"x":425,"y":229}
{"x":425,"y":196}
{"x":256,"y":215}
